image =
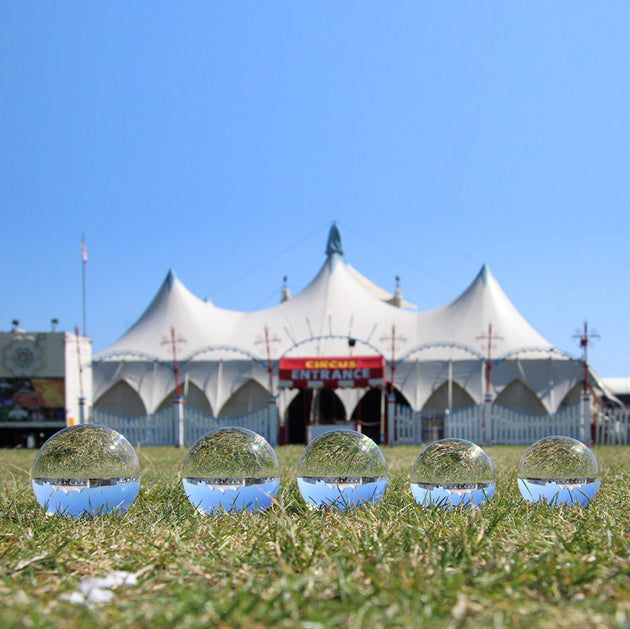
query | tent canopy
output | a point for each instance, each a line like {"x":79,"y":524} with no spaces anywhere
{"x":339,"y":313}
{"x":338,"y":304}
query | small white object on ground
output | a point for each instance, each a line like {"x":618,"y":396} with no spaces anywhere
{"x":99,"y":589}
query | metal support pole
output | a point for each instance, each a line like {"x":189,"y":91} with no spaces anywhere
{"x":83,"y":265}
{"x":487,"y":413}
{"x":272,"y":414}
{"x":585,"y":419}
{"x":82,"y":418}
{"x":179,"y":404}
{"x":272,"y":406}
{"x":391,"y":420}
{"x":179,"y":400}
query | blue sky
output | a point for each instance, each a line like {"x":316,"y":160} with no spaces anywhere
{"x":221,"y":139}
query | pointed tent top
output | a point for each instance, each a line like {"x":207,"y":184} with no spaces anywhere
{"x":286,"y":293}
{"x":484,"y":284}
{"x":397,"y":299}
{"x":483,"y":274}
{"x":334,"y":241}
{"x":484,"y":302}
{"x":173,"y":306}
{"x":171,"y":276}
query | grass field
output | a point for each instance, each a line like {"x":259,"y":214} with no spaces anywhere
{"x":510,"y":564}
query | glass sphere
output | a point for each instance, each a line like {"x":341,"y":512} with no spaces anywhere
{"x":231,"y":469}
{"x":341,"y":468}
{"x":86,"y":470}
{"x":558,"y":470}
{"x":452,"y":472}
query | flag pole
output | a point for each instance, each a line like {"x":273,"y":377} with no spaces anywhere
{"x":82,"y":418}
{"x":83,"y":265}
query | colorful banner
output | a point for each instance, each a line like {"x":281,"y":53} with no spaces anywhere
{"x":32,"y":399}
{"x":332,"y":372}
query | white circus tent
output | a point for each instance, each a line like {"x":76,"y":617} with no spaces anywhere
{"x":228,"y":361}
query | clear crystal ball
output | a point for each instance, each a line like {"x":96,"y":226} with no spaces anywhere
{"x":86,"y":470}
{"x":231,"y":469}
{"x":558,"y":470}
{"x":452,"y":472}
{"x":341,"y":468}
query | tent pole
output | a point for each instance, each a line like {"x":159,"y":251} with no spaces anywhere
{"x":450,"y":385}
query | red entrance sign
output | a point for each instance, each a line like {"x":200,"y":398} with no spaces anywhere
{"x":332,"y":372}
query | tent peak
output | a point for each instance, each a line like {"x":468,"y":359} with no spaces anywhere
{"x":484,"y":274}
{"x":171,"y":276}
{"x":397,"y":300}
{"x":286,"y":293}
{"x":334,"y":241}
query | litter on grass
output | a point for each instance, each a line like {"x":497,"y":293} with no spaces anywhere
{"x":99,"y":589}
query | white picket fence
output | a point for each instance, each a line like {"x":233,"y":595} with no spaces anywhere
{"x":157,"y":429}
{"x":465,"y":424}
{"x":507,"y":427}
{"x":612,"y":427}
{"x":162,"y":428}
{"x":406,"y":427}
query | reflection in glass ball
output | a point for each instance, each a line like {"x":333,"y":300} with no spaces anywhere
{"x":231,"y":469}
{"x":452,"y":472}
{"x":341,"y":468}
{"x":86,"y":470}
{"x":558,"y":470}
